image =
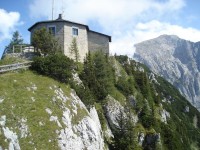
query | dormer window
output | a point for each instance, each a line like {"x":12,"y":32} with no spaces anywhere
{"x":52,"y":30}
{"x":74,"y":31}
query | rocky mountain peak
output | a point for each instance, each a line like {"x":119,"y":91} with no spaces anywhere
{"x":162,"y":39}
{"x":167,"y":37}
{"x":177,"y":60}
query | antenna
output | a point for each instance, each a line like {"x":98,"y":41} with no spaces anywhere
{"x":62,"y":9}
{"x":52,"y":8}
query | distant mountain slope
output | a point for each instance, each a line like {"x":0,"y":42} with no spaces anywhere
{"x":175,"y":59}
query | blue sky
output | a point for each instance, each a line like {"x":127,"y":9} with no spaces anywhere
{"x":127,"y":21}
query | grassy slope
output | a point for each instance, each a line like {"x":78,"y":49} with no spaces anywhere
{"x":17,"y":90}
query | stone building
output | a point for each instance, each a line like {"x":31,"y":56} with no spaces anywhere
{"x":65,"y":31}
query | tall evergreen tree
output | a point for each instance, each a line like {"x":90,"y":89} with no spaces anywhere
{"x":74,"y":50}
{"x":88,"y":74}
{"x":124,"y":135}
{"x":16,"y":40}
{"x":98,"y":74}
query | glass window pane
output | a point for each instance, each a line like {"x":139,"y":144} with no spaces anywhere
{"x":52,"y":30}
{"x":74,"y":31}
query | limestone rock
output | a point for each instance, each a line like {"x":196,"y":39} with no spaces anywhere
{"x":164,"y":115}
{"x":176,"y":60}
{"x":114,"y":110}
{"x":141,"y":137}
{"x":86,"y":134}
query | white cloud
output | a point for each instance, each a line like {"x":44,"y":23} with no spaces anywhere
{"x":170,"y":5}
{"x":108,"y":13}
{"x":8,"y":22}
{"x":155,"y":28}
{"x":149,"y":30}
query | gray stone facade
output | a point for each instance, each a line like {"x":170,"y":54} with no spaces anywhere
{"x":81,"y":38}
{"x":97,"y":41}
{"x":59,"y":30}
{"x":87,"y":40}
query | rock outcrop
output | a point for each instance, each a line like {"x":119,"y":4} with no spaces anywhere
{"x":86,"y":134}
{"x":115,"y":111}
{"x":176,"y":60}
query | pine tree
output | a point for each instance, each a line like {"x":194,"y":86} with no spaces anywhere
{"x":74,"y":50}
{"x":124,"y":134}
{"x":16,"y":40}
{"x":88,"y":74}
{"x":98,"y":74}
{"x":103,"y":73}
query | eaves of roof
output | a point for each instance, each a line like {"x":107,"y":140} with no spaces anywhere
{"x":109,"y":37}
{"x":66,"y":21}
{"x":58,"y":20}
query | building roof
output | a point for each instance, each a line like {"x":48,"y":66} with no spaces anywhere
{"x":66,"y":21}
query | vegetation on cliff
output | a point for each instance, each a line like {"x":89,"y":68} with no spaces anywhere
{"x":151,"y":112}
{"x":151,"y":96}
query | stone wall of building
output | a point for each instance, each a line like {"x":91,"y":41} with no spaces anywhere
{"x":86,"y":40}
{"x":59,"y":31}
{"x":97,"y":41}
{"x":81,"y":38}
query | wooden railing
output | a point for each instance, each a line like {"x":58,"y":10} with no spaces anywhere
{"x":20,"y":48}
{"x":16,"y":66}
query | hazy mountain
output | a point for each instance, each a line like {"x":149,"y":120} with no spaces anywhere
{"x":175,"y":59}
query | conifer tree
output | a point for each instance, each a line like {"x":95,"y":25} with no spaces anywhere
{"x":124,"y":135}
{"x":88,"y":74}
{"x":97,"y":74}
{"x":74,"y":50}
{"x":16,"y":40}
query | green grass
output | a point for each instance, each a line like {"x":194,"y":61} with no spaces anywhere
{"x":116,"y":94}
{"x":119,"y":68}
{"x":2,"y":142}
{"x":81,"y":113}
{"x":17,"y":104}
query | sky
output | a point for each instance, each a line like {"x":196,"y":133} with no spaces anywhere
{"x":127,"y":21}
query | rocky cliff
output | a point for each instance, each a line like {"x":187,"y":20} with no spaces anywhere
{"x":175,"y":59}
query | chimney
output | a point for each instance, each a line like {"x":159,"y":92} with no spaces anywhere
{"x":60,"y":17}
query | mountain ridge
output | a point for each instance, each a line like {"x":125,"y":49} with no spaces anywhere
{"x":177,"y":60}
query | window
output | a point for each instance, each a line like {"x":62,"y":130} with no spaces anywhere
{"x":52,"y":30}
{"x":75,"y":31}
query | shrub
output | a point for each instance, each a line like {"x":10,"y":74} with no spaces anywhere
{"x":56,"y":66}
